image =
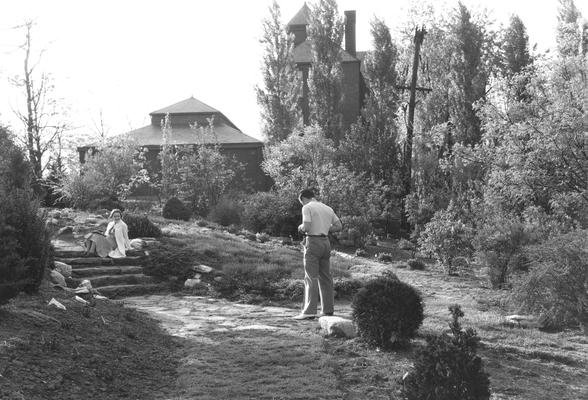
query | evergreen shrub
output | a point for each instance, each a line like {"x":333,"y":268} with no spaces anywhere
{"x":140,"y":226}
{"x":387,"y":311}
{"x":172,"y":258}
{"x":448,"y":368}
{"x":175,"y":209}
{"x":25,"y":246}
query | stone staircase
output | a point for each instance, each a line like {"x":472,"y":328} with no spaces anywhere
{"x":113,"y":278}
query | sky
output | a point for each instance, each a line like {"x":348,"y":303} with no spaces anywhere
{"x":124,"y":59}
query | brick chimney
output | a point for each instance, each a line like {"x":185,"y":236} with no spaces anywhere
{"x":350,"y":32}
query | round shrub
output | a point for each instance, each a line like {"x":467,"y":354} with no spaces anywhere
{"x":416,"y":264}
{"x":175,"y":209}
{"x":387,"y":311}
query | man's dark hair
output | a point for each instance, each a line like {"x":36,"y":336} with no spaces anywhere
{"x":306,"y":193}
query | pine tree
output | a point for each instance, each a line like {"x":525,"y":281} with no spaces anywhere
{"x":325,"y":33}
{"x":279,"y":97}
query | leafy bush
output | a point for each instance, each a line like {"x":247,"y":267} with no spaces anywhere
{"x":499,"y":245}
{"x":107,"y":173}
{"x":446,"y":237}
{"x":175,"y":209}
{"x":416,"y":264}
{"x":272,"y":212}
{"x":226,"y":212}
{"x":140,"y":226}
{"x":25,"y":247}
{"x":448,"y":367}
{"x":387,"y":311}
{"x":555,"y":286}
{"x":356,"y":229}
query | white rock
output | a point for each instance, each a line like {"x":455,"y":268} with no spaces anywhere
{"x":197,"y":276}
{"x":205,"y":269}
{"x":57,"y":278}
{"x":63,"y":268}
{"x":137,"y":244}
{"x":57,"y":304}
{"x":191,"y":283}
{"x":337,"y":326}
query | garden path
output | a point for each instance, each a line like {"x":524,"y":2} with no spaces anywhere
{"x":243,"y":351}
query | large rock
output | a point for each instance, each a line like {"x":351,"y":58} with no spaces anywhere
{"x":57,"y":278}
{"x":64,"y":232}
{"x":337,"y":326}
{"x":63,"y":268}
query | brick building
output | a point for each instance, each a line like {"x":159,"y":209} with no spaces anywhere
{"x":234,"y":143}
{"x":353,"y":87}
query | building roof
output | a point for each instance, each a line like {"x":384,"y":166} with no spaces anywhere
{"x":303,"y":54}
{"x":188,"y":106}
{"x":151,"y":135}
{"x":302,"y":17}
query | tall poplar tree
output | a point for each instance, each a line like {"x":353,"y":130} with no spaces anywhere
{"x":325,"y":33}
{"x":569,"y":34}
{"x":371,"y":144}
{"x":278,"y":98}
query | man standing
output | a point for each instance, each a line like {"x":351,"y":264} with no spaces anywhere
{"x":318,"y":220}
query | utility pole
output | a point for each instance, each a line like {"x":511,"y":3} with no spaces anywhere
{"x":419,"y":35}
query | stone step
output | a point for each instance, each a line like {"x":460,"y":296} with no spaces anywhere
{"x":84,"y":272}
{"x":117,"y":291}
{"x":68,"y":253}
{"x":127,"y":279}
{"x":88,"y":261}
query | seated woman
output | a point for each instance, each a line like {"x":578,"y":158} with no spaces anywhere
{"x":114,"y":242}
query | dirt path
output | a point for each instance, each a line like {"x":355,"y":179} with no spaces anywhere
{"x":239,"y":351}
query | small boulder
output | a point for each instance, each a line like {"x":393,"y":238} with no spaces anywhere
{"x":205,"y":269}
{"x":63,"y":268}
{"x":337,"y":326}
{"x":137,"y":244}
{"x":191,"y":283}
{"x":57,"y":278}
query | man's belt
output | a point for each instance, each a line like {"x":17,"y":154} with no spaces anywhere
{"x":324,"y":236}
